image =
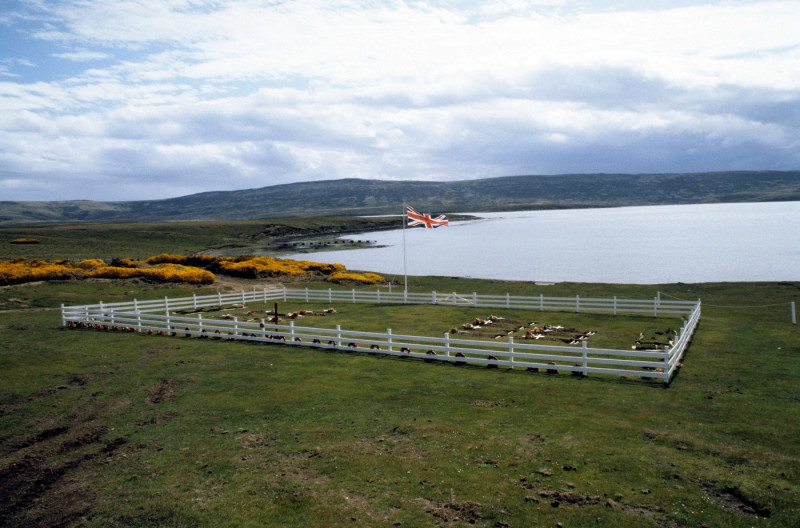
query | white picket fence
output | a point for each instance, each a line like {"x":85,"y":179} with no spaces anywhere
{"x":159,"y":317}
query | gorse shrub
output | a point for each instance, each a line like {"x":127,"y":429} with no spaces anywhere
{"x":250,"y":267}
{"x":176,"y":268}
{"x":365,"y":278}
{"x":21,"y":270}
{"x":91,"y":264}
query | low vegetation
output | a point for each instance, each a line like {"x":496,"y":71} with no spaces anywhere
{"x":120,"y":429}
{"x":353,"y":196}
{"x":177,"y":268}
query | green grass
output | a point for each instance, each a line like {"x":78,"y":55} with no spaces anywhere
{"x":124,"y":240}
{"x":121,"y":429}
{"x":142,"y":240}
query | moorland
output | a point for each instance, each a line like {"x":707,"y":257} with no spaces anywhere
{"x":123,"y":429}
{"x":354,"y":196}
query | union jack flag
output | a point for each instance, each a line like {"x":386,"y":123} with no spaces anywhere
{"x":418,"y":219}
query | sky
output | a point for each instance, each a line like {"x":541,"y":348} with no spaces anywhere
{"x":148,"y":99}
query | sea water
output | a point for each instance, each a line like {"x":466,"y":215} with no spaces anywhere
{"x":638,"y":245}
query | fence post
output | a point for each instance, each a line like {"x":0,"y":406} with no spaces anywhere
{"x":263,"y":329}
{"x":378,"y":295}
{"x":166,"y":303}
{"x":291,"y":330}
{"x":655,"y":307}
{"x":339,"y":335}
{"x":511,"y":351}
{"x":584,"y":358}
{"x":194,"y":301}
{"x":454,"y":298}
{"x":306,"y":293}
{"x":219,"y":298}
{"x":508,"y":300}
{"x":405,"y":296}
{"x":389,"y":339}
{"x":200,"y":323}
{"x":330,"y":295}
{"x":63,"y":316}
{"x":236,"y":326}
{"x":541,"y":302}
{"x":135,"y":305}
{"x":447,"y":344}
{"x":577,"y":304}
{"x":433,"y":297}
{"x":615,"y":305}
{"x":474,"y":299}
{"x":794,"y":314}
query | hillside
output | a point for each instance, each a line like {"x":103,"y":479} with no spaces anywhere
{"x":361,"y":196}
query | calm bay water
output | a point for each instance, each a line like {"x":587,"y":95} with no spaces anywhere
{"x":640,"y":245}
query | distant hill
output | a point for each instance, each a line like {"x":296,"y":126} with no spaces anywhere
{"x":360,"y":196}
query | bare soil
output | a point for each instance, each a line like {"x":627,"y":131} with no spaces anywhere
{"x":46,"y":476}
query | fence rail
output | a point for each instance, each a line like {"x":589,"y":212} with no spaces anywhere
{"x":162,"y":316}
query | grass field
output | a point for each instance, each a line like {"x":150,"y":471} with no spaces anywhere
{"x":122,"y":429}
{"x":118,"y":429}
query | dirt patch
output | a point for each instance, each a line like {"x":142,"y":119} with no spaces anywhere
{"x":569,"y":498}
{"x":655,"y":514}
{"x":14,"y":402}
{"x":363,"y":508}
{"x":534,"y":438}
{"x":556,"y":498}
{"x":733,"y":499}
{"x":297,"y":467}
{"x":455,"y":512}
{"x":45,"y":480}
{"x":487,"y":403}
{"x":249,"y":440}
{"x":302,"y":474}
{"x":163,"y":391}
{"x":155,"y":350}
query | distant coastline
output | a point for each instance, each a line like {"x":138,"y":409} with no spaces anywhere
{"x":354,"y":197}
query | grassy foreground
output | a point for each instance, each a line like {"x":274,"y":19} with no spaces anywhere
{"x":121,"y":429}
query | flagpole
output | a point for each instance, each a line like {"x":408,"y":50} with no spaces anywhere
{"x":405,"y":272}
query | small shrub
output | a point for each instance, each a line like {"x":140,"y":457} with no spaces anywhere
{"x":91,"y":264}
{"x":25,"y":240}
{"x":363,"y":278}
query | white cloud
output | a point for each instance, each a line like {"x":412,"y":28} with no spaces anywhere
{"x":267,"y":92}
{"x":82,"y":55}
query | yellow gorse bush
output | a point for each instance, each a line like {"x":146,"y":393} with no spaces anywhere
{"x":256,"y":267}
{"x":250,"y":267}
{"x":21,"y":270}
{"x":175,"y":268}
{"x":366,"y":278}
{"x":91,"y":264}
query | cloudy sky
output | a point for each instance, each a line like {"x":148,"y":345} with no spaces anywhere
{"x":143,"y":99}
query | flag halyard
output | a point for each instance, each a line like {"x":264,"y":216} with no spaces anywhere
{"x":416,"y":219}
